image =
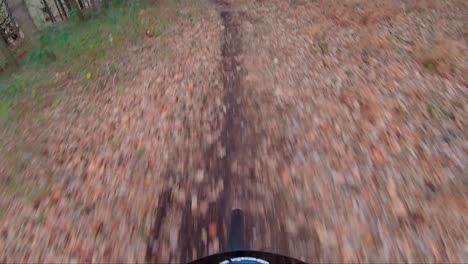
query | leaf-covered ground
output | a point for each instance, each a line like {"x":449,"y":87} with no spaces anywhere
{"x":339,"y":127}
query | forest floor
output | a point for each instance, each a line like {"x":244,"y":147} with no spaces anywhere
{"x":339,"y":127}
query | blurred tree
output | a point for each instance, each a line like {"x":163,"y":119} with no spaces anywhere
{"x":81,"y":4}
{"x":96,"y":5}
{"x":62,"y":8}
{"x":48,"y":11}
{"x":23,"y":18}
{"x":59,"y":10}
{"x":75,"y":5}
{"x":10,"y":16}
{"x":7,"y":54}
{"x":67,"y":4}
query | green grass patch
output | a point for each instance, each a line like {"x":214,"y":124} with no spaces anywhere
{"x":40,"y":218}
{"x":433,"y":109}
{"x":74,"y":47}
{"x":34,"y":193}
{"x":322,"y":45}
{"x":112,"y":68}
{"x":121,"y":90}
{"x":91,"y":39}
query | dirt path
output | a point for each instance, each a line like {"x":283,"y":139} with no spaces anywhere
{"x":338,"y":135}
{"x":291,"y":151}
{"x":216,"y":167}
{"x":207,"y":229}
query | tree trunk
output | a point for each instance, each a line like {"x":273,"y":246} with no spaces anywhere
{"x":81,"y":4}
{"x":96,"y":5}
{"x":7,"y":54}
{"x":49,"y":12}
{"x":62,"y":8}
{"x":58,"y":9}
{"x":3,"y":35}
{"x":15,"y":27}
{"x":23,"y":18}
{"x":104,"y":4}
{"x":67,"y":4}
{"x":75,"y":5}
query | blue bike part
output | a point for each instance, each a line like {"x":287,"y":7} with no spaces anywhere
{"x":245,"y":260}
{"x":247,"y":257}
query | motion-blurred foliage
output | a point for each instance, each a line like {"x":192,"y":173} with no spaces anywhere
{"x":64,"y":42}
{"x":73,"y":45}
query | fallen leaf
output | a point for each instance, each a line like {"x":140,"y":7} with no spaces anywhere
{"x":379,"y":155}
{"x":286,"y":178}
{"x":56,"y":196}
{"x":203,"y":207}
{"x":212,"y":231}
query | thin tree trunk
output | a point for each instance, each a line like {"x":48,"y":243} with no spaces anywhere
{"x":75,"y":5}
{"x":49,"y":12}
{"x":62,"y":8}
{"x":23,"y":18}
{"x":67,"y":4}
{"x":58,"y":9}
{"x":3,"y":35}
{"x":96,"y":5}
{"x":104,"y":4}
{"x":7,"y":54}
{"x":81,"y":4}
{"x":13,"y":23}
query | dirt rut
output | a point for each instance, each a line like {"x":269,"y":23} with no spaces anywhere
{"x":202,"y":234}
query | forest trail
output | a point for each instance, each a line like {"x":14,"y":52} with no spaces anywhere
{"x":313,"y":118}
